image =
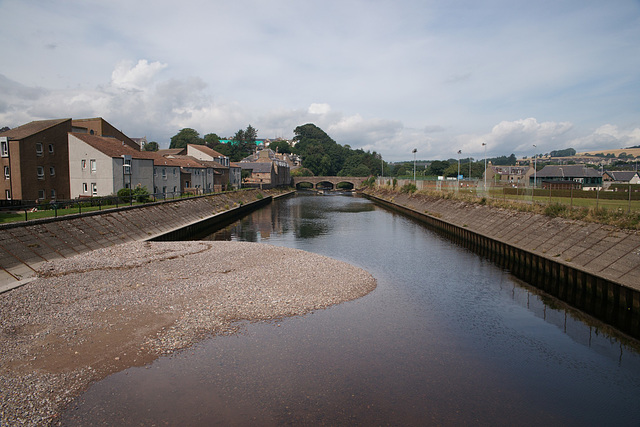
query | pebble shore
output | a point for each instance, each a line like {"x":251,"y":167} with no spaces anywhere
{"x":104,"y":311}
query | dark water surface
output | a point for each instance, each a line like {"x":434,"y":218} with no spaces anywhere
{"x":447,"y":338}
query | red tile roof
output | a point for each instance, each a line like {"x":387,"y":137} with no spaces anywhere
{"x":113,"y":148}
{"x":32,"y":128}
{"x":186,"y":161}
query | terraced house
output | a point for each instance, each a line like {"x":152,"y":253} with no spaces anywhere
{"x":100,"y":166}
{"x":65,"y":159}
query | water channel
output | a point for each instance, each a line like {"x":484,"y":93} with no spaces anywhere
{"x":447,"y":338}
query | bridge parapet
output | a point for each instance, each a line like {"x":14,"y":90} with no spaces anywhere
{"x":356,"y":181}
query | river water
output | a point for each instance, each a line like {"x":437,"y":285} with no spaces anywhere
{"x":447,"y":338}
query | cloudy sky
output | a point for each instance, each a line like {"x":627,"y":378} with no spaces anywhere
{"x":383,"y":75}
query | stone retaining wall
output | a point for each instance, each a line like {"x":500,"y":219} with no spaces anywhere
{"x":25,"y":245}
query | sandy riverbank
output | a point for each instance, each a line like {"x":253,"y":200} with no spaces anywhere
{"x":104,"y":311}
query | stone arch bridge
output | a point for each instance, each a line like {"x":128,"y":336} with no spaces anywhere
{"x":329,"y":181}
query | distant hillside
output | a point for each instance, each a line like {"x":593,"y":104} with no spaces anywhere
{"x":616,"y":152}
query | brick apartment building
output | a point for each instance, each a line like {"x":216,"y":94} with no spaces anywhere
{"x":35,"y":161}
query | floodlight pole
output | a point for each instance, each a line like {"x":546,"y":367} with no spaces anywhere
{"x":535,"y":168}
{"x":484,"y":144}
{"x":415,"y":150}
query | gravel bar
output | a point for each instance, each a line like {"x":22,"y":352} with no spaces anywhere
{"x":104,"y":311}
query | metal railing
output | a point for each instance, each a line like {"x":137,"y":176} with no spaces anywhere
{"x":622,"y":197}
{"x":24,"y":211}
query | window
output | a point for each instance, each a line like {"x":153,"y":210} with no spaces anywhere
{"x":4,"y":147}
{"x":39,"y":148}
{"x":40,"y":172}
{"x":94,"y":189}
{"x":164,"y":190}
{"x":85,"y":187}
{"x":174,"y":171}
{"x":155,"y":172}
{"x":92,"y":163}
{"x":50,"y":148}
{"x":53,"y":194}
{"x":164,"y":174}
{"x":7,"y":175}
{"x":126,"y":167}
{"x":40,"y":194}
{"x":84,"y":164}
{"x":52,"y":171}
{"x":7,"y":194}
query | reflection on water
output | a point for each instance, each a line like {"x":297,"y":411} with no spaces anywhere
{"x":447,"y":338}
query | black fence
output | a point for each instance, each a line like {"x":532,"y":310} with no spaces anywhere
{"x":9,"y":208}
{"x":619,"y":193}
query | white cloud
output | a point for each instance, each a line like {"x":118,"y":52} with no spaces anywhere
{"x":607,"y":136}
{"x":385,"y":76}
{"x":517,"y":137}
{"x":319,"y":109}
{"x":139,"y":77}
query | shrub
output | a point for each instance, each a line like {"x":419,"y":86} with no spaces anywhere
{"x":370,"y":182}
{"x":141,"y":194}
{"x":409,"y":188}
{"x":555,"y":209}
{"x":124,"y":194}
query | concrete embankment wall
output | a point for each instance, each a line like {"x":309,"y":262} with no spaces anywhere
{"x":25,"y":245}
{"x":593,"y":267}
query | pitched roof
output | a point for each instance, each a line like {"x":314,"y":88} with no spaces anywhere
{"x":206,"y":150}
{"x":257,"y":167}
{"x":186,"y":161}
{"x":573,"y":171}
{"x":212,"y":164}
{"x":171,"y":151}
{"x":112,"y":147}
{"x":31,"y":128}
{"x":624,"y":176}
{"x":166,"y":161}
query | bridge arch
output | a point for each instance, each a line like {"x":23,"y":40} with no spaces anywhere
{"x":333,"y":181}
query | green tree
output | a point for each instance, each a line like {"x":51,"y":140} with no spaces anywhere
{"x":281,"y":146}
{"x":437,"y":168}
{"x":151,"y":146}
{"x":184,"y":137}
{"x":452,"y":170}
{"x":356,"y":165}
{"x":222,"y":148}
{"x":243,"y":144}
{"x":301,"y":172}
{"x":323,"y":156}
{"x":250,"y":135}
{"x":211,"y":140}
{"x":567,"y":152}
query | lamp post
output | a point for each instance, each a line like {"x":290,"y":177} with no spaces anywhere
{"x":415,"y":150}
{"x":484,"y":144}
{"x":458,"y":177}
{"x":535,"y":168}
